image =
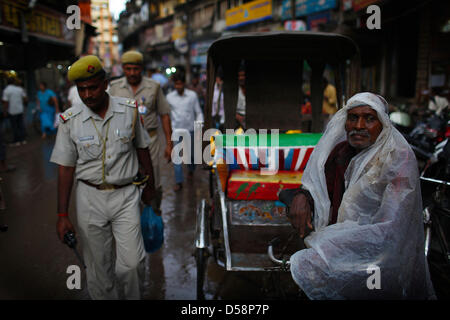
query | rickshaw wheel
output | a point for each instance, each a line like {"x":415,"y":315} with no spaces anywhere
{"x":211,"y":184}
{"x":201,"y":258}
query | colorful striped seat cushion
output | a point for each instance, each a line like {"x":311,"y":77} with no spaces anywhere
{"x":252,"y":185}
{"x":253,"y":152}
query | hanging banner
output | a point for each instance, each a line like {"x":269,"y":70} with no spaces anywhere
{"x":248,"y":13}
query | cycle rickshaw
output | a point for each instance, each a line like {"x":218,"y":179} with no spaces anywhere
{"x":242,"y":224}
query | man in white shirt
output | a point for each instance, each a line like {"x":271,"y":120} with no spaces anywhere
{"x":185,"y":110}
{"x":14,"y":98}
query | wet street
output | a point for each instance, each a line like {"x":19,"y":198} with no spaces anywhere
{"x":33,"y":262}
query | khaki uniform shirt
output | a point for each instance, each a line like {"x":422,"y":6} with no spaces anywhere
{"x":79,"y":145}
{"x":150,"y":98}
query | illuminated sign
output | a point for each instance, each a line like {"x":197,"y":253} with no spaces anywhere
{"x":248,"y":13}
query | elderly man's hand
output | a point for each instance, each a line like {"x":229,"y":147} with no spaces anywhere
{"x":300,"y":215}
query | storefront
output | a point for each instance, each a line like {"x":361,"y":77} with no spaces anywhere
{"x":36,"y":44}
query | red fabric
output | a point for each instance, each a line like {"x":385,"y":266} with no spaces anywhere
{"x":335,"y":167}
{"x":267,"y":190}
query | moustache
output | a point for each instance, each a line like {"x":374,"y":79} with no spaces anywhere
{"x":363,"y":133}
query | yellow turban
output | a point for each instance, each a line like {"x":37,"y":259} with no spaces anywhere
{"x":85,"y":68}
{"x":132,"y":57}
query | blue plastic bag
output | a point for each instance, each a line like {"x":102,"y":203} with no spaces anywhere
{"x":152,"y":230}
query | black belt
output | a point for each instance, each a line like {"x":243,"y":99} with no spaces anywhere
{"x":105,"y":186}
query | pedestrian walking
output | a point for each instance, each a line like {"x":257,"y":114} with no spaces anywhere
{"x":185,"y":110}
{"x":199,"y":89}
{"x":47,"y":103}
{"x":14,"y":99}
{"x":101,"y":144}
{"x":152,"y":103}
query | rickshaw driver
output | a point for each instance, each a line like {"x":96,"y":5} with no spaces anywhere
{"x":361,"y":195}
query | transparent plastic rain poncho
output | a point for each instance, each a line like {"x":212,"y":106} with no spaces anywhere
{"x":379,"y":222}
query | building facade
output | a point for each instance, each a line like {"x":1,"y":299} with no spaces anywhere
{"x":106,"y":41}
{"x":408,"y":53}
{"x":36,"y":43}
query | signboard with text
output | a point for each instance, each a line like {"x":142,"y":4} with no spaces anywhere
{"x":248,"y":13}
{"x":296,"y":25}
{"x":317,"y":19}
{"x":40,"y":22}
{"x":179,"y":32}
{"x":306,"y":7}
{"x":199,"y":52}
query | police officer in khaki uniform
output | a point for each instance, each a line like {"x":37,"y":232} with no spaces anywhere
{"x":151,"y":103}
{"x":101,"y":144}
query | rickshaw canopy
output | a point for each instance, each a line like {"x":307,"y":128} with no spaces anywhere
{"x":286,"y":45}
{"x":274,"y":75}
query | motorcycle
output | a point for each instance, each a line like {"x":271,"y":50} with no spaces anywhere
{"x":426,"y":135}
{"x":435,"y":185}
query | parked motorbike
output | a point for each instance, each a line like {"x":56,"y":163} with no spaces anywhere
{"x":435,"y":186}
{"x":401,"y":119}
{"x":426,"y":135}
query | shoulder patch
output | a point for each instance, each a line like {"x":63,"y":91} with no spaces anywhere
{"x":69,"y":114}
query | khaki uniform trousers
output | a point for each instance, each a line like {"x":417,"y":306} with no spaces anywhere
{"x":104,"y":216}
